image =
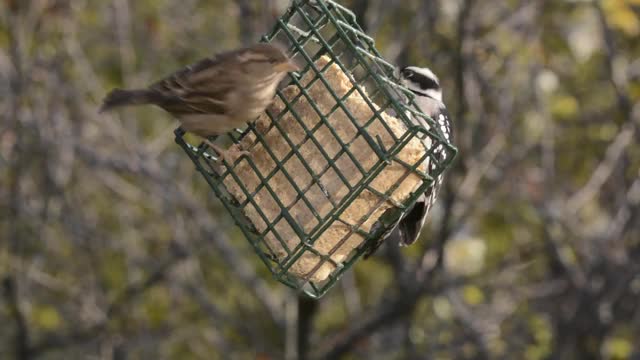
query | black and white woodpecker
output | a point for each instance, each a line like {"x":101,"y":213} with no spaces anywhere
{"x":425,"y":86}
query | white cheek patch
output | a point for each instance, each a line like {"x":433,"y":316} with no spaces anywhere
{"x":435,"y":94}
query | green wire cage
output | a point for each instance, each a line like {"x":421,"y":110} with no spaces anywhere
{"x":334,"y":161}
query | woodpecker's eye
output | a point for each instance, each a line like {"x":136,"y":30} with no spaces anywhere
{"x":407,"y":73}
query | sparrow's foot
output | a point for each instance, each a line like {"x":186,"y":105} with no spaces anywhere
{"x":230,"y":155}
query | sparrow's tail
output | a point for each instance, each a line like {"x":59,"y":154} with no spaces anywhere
{"x":120,"y":97}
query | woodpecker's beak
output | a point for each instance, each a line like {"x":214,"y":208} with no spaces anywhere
{"x":287,"y":66}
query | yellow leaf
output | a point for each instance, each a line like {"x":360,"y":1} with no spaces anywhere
{"x":564,"y":106}
{"x":620,"y":16}
{"x":617,"y":348}
{"x":442,"y":308}
{"x":46,"y":317}
{"x":473,"y":295}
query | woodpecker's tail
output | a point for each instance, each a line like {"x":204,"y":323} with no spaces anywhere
{"x":120,"y":97}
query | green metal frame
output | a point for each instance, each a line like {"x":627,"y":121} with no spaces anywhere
{"x":310,"y":29}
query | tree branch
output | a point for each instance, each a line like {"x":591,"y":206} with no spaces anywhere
{"x":22,"y":350}
{"x":53,"y":341}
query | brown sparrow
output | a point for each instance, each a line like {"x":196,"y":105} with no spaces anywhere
{"x":215,"y":95}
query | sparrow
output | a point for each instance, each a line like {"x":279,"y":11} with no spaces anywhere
{"x":217,"y":94}
{"x":425,"y":86}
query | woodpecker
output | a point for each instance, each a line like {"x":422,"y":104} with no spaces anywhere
{"x":425,"y":86}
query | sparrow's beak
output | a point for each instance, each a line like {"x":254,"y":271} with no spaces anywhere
{"x":287,"y":66}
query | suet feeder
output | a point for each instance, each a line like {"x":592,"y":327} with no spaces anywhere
{"x":334,"y":162}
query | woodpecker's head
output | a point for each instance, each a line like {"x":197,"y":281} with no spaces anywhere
{"x":421,"y":81}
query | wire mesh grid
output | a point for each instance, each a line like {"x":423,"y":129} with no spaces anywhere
{"x":328,"y":171}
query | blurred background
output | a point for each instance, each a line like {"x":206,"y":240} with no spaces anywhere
{"x":113,"y":247}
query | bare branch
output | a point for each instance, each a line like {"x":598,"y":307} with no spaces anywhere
{"x":603,"y":171}
{"x":115,"y":308}
{"x":22,"y":346}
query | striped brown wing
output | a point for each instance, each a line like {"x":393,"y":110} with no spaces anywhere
{"x":200,"y":88}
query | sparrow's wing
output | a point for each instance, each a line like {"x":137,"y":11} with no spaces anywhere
{"x":200,"y":88}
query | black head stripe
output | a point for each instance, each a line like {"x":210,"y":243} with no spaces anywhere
{"x":425,"y":82}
